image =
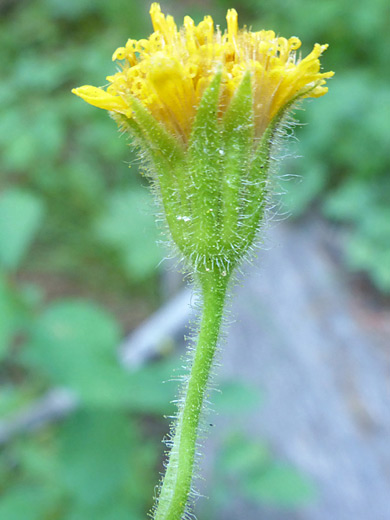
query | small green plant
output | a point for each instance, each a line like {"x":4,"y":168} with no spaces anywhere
{"x":206,"y":110}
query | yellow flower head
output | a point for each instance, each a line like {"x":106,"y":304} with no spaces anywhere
{"x":169,"y":72}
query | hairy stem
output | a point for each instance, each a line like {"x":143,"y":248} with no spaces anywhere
{"x":176,"y":485}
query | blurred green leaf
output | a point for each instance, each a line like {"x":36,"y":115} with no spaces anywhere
{"x":104,"y":465}
{"x":240,"y":456}
{"x":74,"y":344}
{"x":71,"y":9}
{"x":250,"y":467}
{"x":21,"y":214}
{"x":12,"y":399}
{"x":349,"y":201}
{"x":130,"y":228}
{"x":96,"y":449}
{"x":27,"y":502}
{"x":279,"y":485}
{"x":364,"y":207}
{"x":116,"y":511}
{"x":152,"y":388}
{"x":303,"y":189}
{"x":7,"y":315}
{"x":38,"y":462}
{"x":236,"y":397}
{"x":366,"y":253}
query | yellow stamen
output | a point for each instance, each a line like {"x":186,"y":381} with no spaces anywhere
{"x":232,"y":24}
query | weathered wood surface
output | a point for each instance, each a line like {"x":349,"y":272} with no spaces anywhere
{"x":321,"y":354}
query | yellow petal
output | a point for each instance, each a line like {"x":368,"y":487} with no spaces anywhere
{"x":101,"y":99}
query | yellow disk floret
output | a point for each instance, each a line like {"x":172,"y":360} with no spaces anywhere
{"x":170,"y":70}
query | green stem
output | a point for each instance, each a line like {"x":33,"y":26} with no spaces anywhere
{"x":176,"y":485}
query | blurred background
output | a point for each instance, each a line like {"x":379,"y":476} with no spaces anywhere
{"x":301,"y":428}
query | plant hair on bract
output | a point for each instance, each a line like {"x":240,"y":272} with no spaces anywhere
{"x":270,"y":205}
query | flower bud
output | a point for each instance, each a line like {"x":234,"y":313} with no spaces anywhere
{"x":204,"y":108}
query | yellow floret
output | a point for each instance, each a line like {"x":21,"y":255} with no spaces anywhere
{"x":170,"y":70}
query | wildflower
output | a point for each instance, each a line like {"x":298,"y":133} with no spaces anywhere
{"x":169,"y":72}
{"x":205,"y":108}
{"x":205,"y":105}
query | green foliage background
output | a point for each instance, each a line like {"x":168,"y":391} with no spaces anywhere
{"x":76,"y":220}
